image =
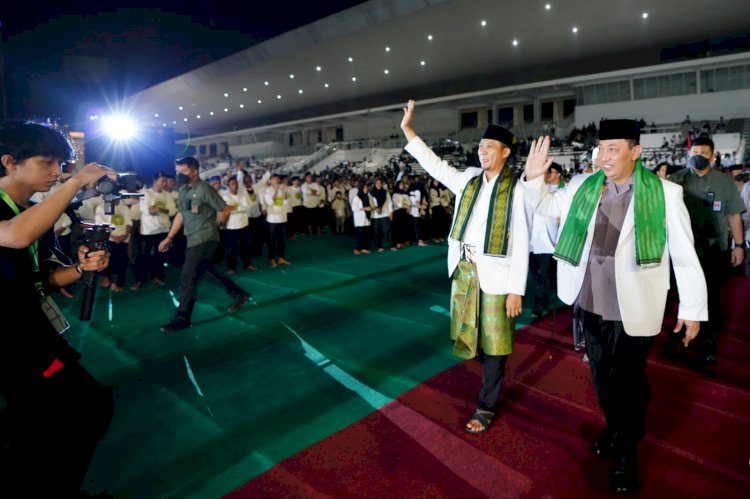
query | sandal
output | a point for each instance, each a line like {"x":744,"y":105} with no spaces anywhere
{"x":483,"y":417}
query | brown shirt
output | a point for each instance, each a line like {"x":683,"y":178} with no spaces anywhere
{"x":599,"y":290}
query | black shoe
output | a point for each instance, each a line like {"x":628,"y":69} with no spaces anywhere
{"x":623,"y":479}
{"x":603,"y":445}
{"x":176,"y":325}
{"x":709,"y":360}
{"x":238,"y":301}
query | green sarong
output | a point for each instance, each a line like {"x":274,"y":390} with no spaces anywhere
{"x":478,"y":319}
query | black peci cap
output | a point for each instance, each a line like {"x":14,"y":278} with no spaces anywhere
{"x":619,"y":129}
{"x":499,"y":133}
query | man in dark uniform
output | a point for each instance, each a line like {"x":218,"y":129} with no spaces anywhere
{"x":715,"y":208}
{"x":197,"y":206}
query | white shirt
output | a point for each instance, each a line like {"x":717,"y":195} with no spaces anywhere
{"x":238,"y":218}
{"x":312,"y":194}
{"x":360,"y":216}
{"x":544,"y":230}
{"x":476,"y":228}
{"x":295,"y":196}
{"x":157,"y":223}
{"x":276,"y":205}
{"x":120,"y":219}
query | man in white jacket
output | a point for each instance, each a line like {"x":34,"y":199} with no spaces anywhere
{"x":488,"y":255}
{"x":620,"y":227}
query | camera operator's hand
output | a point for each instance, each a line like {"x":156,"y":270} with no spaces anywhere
{"x":89,"y":174}
{"x":92,"y":260}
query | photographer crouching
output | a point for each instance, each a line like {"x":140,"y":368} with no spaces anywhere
{"x":56,"y":412}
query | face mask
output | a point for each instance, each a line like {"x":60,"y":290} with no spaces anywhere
{"x":183,"y":179}
{"x":698,"y":162}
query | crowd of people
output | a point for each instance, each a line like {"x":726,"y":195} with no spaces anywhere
{"x":505,"y":223}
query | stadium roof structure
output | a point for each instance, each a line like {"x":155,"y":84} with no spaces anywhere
{"x":376,"y":55}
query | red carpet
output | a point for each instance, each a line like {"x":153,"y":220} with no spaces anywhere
{"x":697,"y":446}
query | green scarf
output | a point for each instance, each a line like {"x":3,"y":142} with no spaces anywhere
{"x":498,"y":219}
{"x":649,"y":211}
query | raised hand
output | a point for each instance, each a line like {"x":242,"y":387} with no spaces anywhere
{"x":407,"y":119}
{"x":537,"y":162}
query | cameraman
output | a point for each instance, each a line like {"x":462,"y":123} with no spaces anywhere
{"x":56,"y":412}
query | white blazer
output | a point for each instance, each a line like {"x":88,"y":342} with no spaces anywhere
{"x":641,"y":292}
{"x":497,"y":275}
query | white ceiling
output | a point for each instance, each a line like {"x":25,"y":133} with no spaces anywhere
{"x":462,"y":56}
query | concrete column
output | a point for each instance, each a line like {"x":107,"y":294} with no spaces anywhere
{"x":517,"y":114}
{"x":495,"y":117}
{"x":537,"y":111}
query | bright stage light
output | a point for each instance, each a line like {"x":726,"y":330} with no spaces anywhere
{"x":119,"y":127}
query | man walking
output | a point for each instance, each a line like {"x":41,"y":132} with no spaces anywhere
{"x":197,"y":206}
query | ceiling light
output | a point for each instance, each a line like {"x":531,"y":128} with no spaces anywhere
{"x":291,"y":76}
{"x":422,"y":63}
{"x":163,"y":124}
{"x":244,"y":89}
{"x":174,"y":122}
{"x":184,"y":119}
{"x":483,"y":23}
{"x":259,"y":101}
{"x":388,"y":49}
{"x":385,"y":71}
{"x":211,"y":113}
{"x":575,"y":29}
{"x":242,"y":106}
{"x":548,"y":6}
{"x":325,"y":85}
{"x":156,"y":115}
{"x":515,"y":43}
{"x":644,"y":15}
{"x":300,"y":90}
{"x":180,"y":108}
{"x":429,"y":37}
{"x":278,"y":96}
{"x":354,"y":78}
{"x":351,"y":60}
{"x":198,"y":116}
{"x":226,"y":95}
{"x":265,"y":83}
{"x":318,"y":68}
{"x":226,"y":110}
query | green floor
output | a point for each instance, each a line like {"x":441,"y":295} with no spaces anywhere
{"x":202,"y":411}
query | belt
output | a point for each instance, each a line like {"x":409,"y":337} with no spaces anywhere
{"x":468,"y":253}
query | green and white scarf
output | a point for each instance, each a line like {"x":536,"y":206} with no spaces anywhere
{"x":497,"y":236}
{"x":649,"y":211}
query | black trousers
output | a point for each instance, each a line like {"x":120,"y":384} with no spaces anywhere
{"x":716,"y":267}
{"x":362,"y":238}
{"x":277,"y":242}
{"x":198,"y":261}
{"x":150,"y":261}
{"x":381,"y":228}
{"x":50,"y":430}
{"x":492,"y":380}
{"x":543,"y":270}
{"x":618,"y":369}
{"x":118,"y":262}
{"x":238,"y":243}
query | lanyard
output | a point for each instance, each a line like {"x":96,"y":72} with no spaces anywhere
{"x":34,"y":248}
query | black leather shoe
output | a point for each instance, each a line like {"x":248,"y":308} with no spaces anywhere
{"x":238,"y":301}
{"x":603,"y":445}
{"x":623,"y":479}
{"x":176,"y":325}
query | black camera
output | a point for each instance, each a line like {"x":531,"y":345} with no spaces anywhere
{"x":127,"y":185}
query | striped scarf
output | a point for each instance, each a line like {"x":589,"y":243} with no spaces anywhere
{"x":649,"y":211}
{"x":498,"y":219}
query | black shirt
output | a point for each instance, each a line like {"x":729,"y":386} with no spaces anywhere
{"x":28,"y":342}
